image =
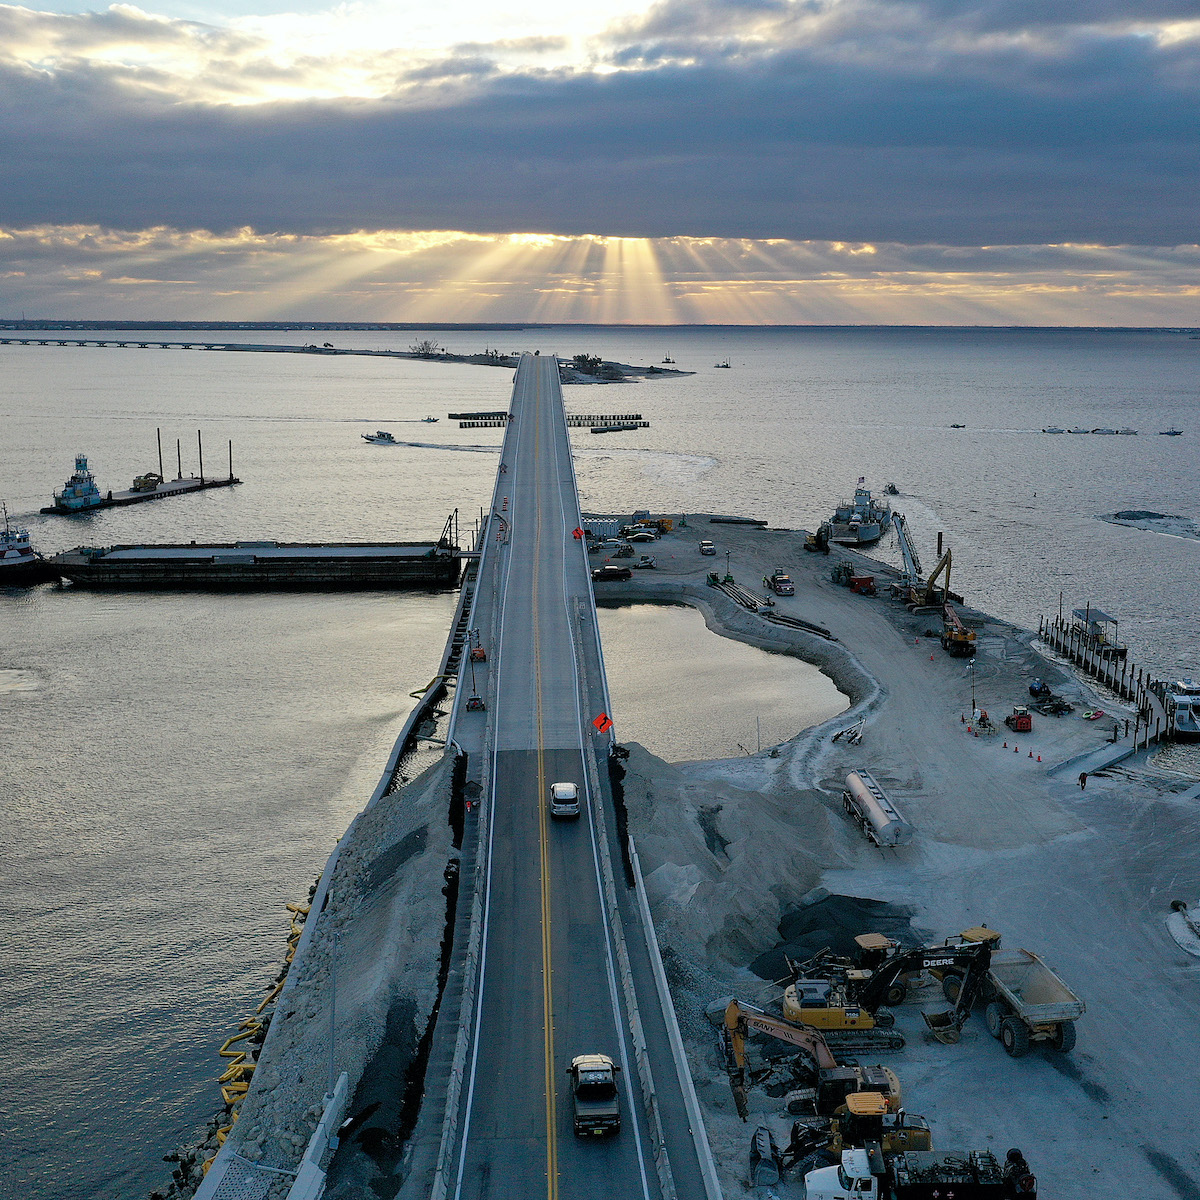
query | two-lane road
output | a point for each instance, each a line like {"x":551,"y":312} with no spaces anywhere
{"x":547,"y":987}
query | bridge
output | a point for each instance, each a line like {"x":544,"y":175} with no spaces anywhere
{"x":565,"y":966}
{"x":554,"y":951}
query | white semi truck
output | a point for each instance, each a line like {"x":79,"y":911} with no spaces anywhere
{"x":922,"y":1175}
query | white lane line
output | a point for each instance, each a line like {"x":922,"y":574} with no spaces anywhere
{"x":631,"y":1101}
{"x":487,"y":892}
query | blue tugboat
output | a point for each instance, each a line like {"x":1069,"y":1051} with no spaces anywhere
{"x":80,"y":491}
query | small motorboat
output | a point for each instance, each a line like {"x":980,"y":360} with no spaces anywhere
{"x":1172,"y":432}
{"x":380,"y":437}
{"x":891,"y":490}
{"x":429,"y":420}
{"x":958,"y":427}
{"x":1078,"y":429}
{"x":1053,"y":429}
{"x":1127,"y":432}
{"x":724,"y":364}
{"x":1104,"y":431}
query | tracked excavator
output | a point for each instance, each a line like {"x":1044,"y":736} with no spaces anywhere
{"x":837,"y":994}
{"x":833,"y":1082}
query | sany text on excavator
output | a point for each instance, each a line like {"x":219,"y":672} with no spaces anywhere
{"x":833,"y":1082}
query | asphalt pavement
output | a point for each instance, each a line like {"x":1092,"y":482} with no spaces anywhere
{"x":548,"y":985}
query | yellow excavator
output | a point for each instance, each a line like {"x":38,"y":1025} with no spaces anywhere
{"x":833,"y":1082}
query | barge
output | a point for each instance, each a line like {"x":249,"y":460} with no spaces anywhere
{"x":261,"y":566}
{"x":80,"y":493}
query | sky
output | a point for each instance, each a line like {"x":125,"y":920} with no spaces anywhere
{"x":742,"y":161}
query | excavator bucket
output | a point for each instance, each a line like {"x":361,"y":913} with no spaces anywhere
{"x":944,"y":1027}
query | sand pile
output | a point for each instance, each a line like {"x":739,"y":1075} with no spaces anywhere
{"x":385,"y":901}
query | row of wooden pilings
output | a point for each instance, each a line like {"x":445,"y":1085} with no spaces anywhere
{"x":1154,"y":723}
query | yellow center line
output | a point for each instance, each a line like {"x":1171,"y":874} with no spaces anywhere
{"x":547,"y":969}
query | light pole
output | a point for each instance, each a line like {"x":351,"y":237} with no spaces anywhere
{"x":971,"y":664}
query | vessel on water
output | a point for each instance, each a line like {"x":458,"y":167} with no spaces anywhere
{"x":1078,"y":429}
{"x":668,"y":359}
{"x":80,"y":491}
{"x":429,"y":420}
{"x":1172,"y":432}
{"x":381,"y":437}
{"x":1053,"y":429}
{"x":1182,"y":702}
{"x":861,"y":521}
{"x":724,"y":363}
{"x":20,"y":563}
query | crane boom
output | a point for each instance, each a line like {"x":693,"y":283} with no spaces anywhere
{"x":908,"y":552}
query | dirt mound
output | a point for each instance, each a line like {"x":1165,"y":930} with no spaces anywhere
{"x":833,"y":921}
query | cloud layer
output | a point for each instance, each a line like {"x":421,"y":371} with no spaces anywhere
{"x":947,"y":121}
{"x":448,"y":276}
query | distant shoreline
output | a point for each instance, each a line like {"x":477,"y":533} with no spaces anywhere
{"x":63,"y":325}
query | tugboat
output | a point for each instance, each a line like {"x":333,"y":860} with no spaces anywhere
{"x":381,"y":437}
{"x":862,"y":521}
{"x":668,"y":359}
{"x":20,"y":564}
{"x":80,"y":491}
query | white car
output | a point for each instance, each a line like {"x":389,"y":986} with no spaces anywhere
{"x":706,"y":547}
{"x":564,"y":800}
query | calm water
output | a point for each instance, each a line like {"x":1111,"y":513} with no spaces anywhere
{"x":174,"y":768}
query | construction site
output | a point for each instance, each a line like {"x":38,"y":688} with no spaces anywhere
{"x":929,"y":947}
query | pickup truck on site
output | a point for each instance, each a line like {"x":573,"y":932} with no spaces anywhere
{"x":610,"y":573}
{"x":594,"y":1095}
{"x":706,"y":547}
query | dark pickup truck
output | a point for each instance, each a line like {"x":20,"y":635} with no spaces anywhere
{"x":594,"y":1094}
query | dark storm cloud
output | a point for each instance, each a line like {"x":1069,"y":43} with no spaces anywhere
{"x":760,"y":119}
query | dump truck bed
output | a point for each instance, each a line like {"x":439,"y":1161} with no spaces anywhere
{"x":1033,"y":990}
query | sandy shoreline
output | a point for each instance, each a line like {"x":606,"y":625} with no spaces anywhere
{"x":731,"y":847}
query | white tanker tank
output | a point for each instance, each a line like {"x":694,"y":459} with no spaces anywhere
{"x":875,"y":814}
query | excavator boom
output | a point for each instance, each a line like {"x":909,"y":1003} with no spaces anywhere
{"x":740,"y":1018}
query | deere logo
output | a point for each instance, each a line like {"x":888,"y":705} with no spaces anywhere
{"x":938,"y":962}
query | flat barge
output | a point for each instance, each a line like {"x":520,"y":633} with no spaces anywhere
{"x":263,"y":566}
{"x":166,"y":489}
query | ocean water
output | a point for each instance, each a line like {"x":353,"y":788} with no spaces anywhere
{"x":174,"y":768}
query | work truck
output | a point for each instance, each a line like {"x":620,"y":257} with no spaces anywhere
{"x":922,"y":1175}
{"x":594,"y":1095}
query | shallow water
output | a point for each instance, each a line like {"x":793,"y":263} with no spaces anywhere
{"x":174,"y":768}
{"x":685,"y":692}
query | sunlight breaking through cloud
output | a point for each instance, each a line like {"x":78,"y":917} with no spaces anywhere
{"x":439,"y":275}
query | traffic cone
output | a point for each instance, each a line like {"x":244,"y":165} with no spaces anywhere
{"x":1031,"y":754}
{"x":1005,"y":745}
{"x":1039,"y":758}
{"x":931,"y":658}
{"x":1016,"y":748}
